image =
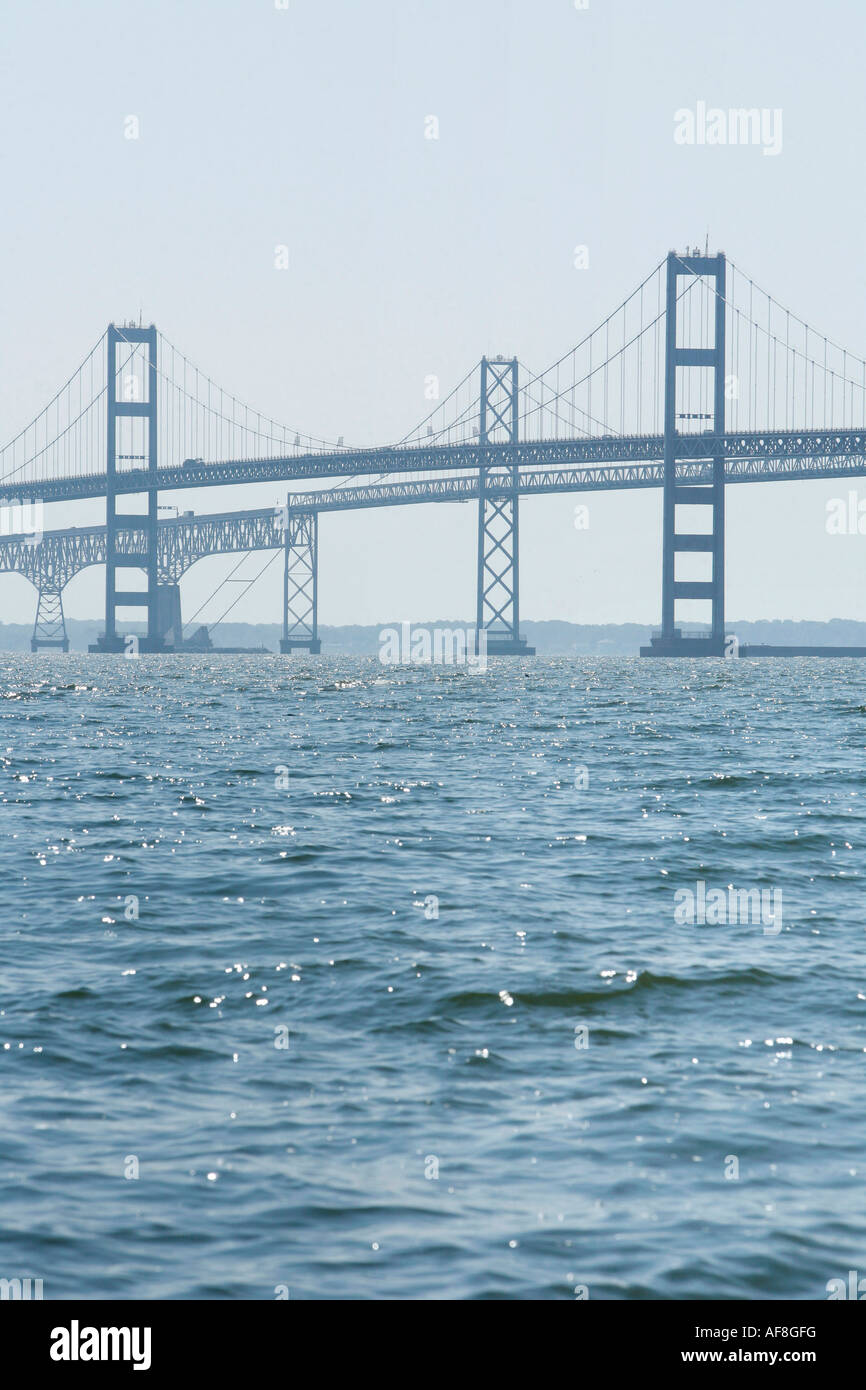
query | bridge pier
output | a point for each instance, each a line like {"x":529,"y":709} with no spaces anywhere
{"x":300,"y":582}
{"x":49,"y":628}
{"x":131,"y":537}
{"x":672,"y":640}
{"x":498,"y":597}
{"x":169,"y":620}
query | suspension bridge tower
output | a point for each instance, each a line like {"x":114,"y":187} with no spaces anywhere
{"x":694,"y":373}
{"x":131,"y":535}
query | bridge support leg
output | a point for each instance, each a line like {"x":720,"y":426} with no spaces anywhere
{"x":131,"y":536}
{"x":498,"y":598}
{"x":49,"y":629}
{"x":170,"y":622}
{"x":301,"y":579}
{"x":709,"y":494}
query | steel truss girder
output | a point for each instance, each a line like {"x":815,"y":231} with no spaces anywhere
{"x":764,"y":450}
{"x":61,"y":554}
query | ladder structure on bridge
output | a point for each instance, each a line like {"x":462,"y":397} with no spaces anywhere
{"x":131,"y":536}
{"x":684,"y":359}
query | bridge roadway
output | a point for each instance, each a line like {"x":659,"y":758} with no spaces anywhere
{"x":600,"y":462}
{"x":187,"y":538}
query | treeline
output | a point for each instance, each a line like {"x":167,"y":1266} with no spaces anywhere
{"x":549,"y":638}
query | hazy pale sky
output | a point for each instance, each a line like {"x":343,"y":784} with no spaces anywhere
{"x":305,"y":126}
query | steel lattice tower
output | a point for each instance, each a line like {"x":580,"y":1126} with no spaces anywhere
{"x":498,"y":602}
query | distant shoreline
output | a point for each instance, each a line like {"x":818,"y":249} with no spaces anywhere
{"x":550,"y":638}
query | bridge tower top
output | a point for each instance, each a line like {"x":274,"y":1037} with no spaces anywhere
{"x":132,"y":332}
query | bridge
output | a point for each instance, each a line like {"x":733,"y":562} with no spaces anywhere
{"x":699,"y":379}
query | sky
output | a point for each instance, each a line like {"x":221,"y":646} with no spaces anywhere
{"x":263,"y":124}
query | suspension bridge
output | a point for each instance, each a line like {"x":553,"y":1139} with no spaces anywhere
{"x":697,"y":380}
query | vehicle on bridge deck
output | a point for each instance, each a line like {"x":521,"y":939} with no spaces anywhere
{"x":193,"y":463}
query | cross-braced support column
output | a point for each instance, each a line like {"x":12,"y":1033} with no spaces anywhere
{"x":131,"y":536}
{"x":49,"y":629}
{"x":685,"y":365}
{"x":498,"y":607}
{"x":300,"y":589}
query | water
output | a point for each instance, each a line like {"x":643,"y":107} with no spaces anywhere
{"x":421,"y":1044}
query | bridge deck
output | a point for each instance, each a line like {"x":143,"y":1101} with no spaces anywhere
{"x":604,"y":462}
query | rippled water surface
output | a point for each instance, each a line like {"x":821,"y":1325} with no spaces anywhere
{"x":510,"y":1070}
